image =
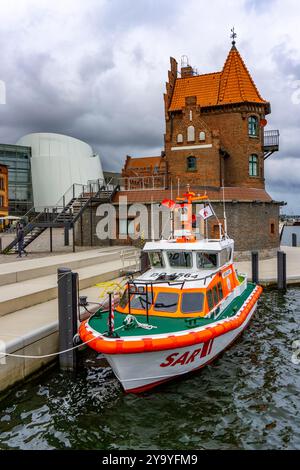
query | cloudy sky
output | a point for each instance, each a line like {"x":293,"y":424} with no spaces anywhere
{"x":96,"y":70}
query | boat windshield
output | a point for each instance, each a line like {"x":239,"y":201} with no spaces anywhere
{"x":139,"y":302}
{"x":207,"y":260}
{"x":192,"y":302}
{"x":180,"y":259}
{"x":166,"y":302}
{"x":156,"y":259}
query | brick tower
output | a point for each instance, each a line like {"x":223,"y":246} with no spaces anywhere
{"x":214,"y":141}
{"x":214,"y":126}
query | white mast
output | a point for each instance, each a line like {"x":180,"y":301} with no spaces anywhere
{"x":224,"y":209}
{"x":152,"y":225}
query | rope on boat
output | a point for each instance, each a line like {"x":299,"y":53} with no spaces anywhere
{"x":130,"y":320}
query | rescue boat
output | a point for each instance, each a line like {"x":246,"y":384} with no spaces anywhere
{"x":179,"y":315}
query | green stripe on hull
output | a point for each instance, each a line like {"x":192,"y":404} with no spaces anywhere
{"x":99,"y":322}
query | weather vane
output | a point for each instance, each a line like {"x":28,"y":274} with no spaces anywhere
{"x":233,"y":36}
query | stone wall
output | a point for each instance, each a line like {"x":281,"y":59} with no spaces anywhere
{"x":253,"y":226}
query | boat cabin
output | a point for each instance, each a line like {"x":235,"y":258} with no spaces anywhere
{"x":197,"y":256}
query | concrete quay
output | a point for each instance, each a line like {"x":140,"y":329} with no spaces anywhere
{"x":268,"y":268}
{"x":29,"y":307}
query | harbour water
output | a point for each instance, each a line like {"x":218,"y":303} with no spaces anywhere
{"x":249,"y":398}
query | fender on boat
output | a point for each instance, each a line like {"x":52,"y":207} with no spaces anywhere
{"x":107,"y":345}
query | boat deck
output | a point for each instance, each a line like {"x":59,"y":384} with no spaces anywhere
{"x":99,"y":322}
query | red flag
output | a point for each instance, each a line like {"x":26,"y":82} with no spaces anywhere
{"x":168,"y":203}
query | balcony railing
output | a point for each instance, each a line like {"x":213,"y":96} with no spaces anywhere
{"x":139,"y":183}
{"x":271,"y":140}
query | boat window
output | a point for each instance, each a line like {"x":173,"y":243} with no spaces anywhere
{"x":220,"y":291}
{"x":207,"y":260}
{"x":124,"y":299}
{"x":166,"y":302}
{"x":225,"y":256}
{"x":180,"y":259}
{"x":139,"y":302}
{"x":210,"y":300}
{"x":215,"y":295}
{"x":156,"y":259}
{"x":192,"y":302}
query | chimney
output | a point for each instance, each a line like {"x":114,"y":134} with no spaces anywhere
{"x":186,"y":71}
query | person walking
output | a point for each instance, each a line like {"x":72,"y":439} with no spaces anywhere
{"x":20,"y":236}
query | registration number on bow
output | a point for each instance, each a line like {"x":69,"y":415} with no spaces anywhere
{"x":176,"y":358}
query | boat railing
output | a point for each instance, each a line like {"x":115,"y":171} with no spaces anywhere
{"x":133,"y":288}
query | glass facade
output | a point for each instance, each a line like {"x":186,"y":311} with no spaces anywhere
{"x":17,"y":159}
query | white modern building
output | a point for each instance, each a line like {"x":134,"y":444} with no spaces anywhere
{"x":57,"y":162}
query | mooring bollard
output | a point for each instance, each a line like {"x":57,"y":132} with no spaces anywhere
{"x":254,"y":259}
{"x":294,"y":239}
{"x":67,"y":316}
{"x":281,"y":270}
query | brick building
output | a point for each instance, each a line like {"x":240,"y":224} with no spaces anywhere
{"x":214,"y":141}
{"x":3,"y":193}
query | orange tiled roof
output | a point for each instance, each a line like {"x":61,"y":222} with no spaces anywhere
{"x":231,"y":194}
{"x":233,"y":85}
{"x":142,"y":161}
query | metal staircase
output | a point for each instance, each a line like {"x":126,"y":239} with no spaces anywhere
{"x":63,"y":214}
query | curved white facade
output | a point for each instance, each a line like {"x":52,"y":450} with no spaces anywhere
{"x":58,"y":161}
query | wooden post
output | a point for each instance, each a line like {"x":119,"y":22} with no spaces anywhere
{"x":255,"y":272}
{"x":67,"y":316}
{"x":281,"y":270}
{"x":294,"y":239}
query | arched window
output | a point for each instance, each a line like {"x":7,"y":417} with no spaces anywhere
{"x":191,"y":163}
{"x":253,"y":126}
{"x":179,"y":138}
{"x":202,"y":135}
{"x":191,"y":134}
{"x":253,"y":165}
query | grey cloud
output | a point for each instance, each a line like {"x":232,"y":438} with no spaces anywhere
{"x":121,"y":15}
{"x":261,"y":6}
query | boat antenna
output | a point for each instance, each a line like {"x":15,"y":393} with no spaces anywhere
{"x":224,"y":209}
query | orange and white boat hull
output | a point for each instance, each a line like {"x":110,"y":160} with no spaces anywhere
{"x":142,"y":371}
